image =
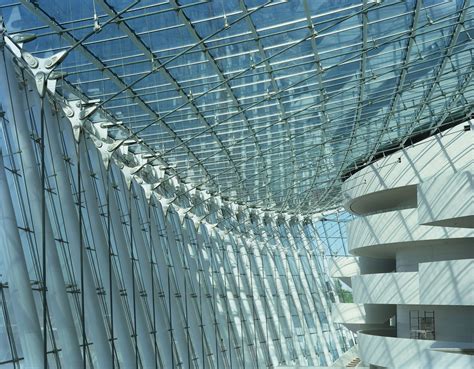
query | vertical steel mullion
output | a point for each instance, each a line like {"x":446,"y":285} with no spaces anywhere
{"x":275,"y":303}
{"x":206,"y":276}
{"x":142,"y":329}
{"x":166,"y":345}
{"x":153,"y":294}
{"x":58,"y":300}
{"x":134,"y":285}
{"x":143,"y":257}
{"x":229,"y":287}
{"x":292,"y":280}
{"x":96,"y":327}
{"x":203,"y":265}
{"x":247,"y":305}
{"x":193,"y":263}
{"x":176,"y":340}
{"x":223,"y":291}
{"x":181,"y":242}
{"x":269,"y":322}
{"x":122,"y":342}
{"x":278,"y":278}
{"x":322,"y":298}
{"x":16,"y":272}
{"x":287,"y":250}
{"x":234,"y":281}
{"x":295,"y":249}
{"x":256,"y":307}
{"x":268,"y":303}
{"x":176,"y":287}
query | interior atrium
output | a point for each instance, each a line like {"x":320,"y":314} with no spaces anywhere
{"x":236,"y":184}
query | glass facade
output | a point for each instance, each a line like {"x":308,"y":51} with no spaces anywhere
{"x":269,"y":103}
{"x":165,"y":278}
{"x":171,"y":171}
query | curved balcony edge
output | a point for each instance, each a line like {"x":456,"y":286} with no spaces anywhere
{"x":381,"y":347}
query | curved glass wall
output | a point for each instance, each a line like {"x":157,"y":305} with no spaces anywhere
{"x":106,"y":263}
{"x":171,"y":171}
{"x":269,"y":103}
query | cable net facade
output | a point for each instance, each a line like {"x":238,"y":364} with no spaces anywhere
{"x":107,"y":262}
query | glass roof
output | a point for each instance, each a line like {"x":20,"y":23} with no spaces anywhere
{"x":267,"y":103}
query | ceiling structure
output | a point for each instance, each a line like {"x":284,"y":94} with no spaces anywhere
{"x":266,"y":103}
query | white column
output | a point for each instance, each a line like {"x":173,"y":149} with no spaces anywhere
{"x":122,"y":334}
{"x":281,"y":280}
{"x":147,"y":276}
{"x":16,"y":273}
{"x":142,"y":330}
{"x":295,"y":253}
{"x":58,"y":301}
{"x":94,"y":320}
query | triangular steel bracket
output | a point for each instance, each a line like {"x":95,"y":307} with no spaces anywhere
{"x":72,"y":110}
{"x":88,"y":108}
{"x":41,"y":68}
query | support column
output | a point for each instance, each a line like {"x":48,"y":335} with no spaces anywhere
{"x":142,"y":330}
{"x":19,"y":286}
{"x":147,"y":275}
{"x":94,"y":321}
{"x":122,"y":338}
{"x":58,"y":301}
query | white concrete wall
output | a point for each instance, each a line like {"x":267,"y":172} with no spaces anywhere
{"x":344,"y":266}
{"x":409,"y":258}
{"x":397,"y":229}
{"x":447,"y":153}
{"x":447,"y":282}
{"x":448,"y":200}
{"x":348,"y":313}
{"x":452,"y":323}
{"x":402,"y":353}
{"x":428,"y":183}
{"x":387,"y":288}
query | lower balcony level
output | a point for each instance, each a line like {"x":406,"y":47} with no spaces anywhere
{"x":382,"y":348}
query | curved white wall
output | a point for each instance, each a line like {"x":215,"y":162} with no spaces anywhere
{"x":417,"y":212}
{"x":447,"y":282}
{"x":385,"y":232}
{"x":387,"y":288}
{"x":394,"y":352}
{"x":448,"y":200}
{"x":447,"y":153}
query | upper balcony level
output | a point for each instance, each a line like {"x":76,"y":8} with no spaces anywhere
{"x":381,"y":235}
{"x":436,"y":283}
{"x":390,"y":183}
{"x":448,"y":200}
{"x":344,"y":267}
{"x":362,"y":316}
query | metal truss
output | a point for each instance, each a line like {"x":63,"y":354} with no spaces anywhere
{"x":137,"y":277}
{"x":265,"y":93}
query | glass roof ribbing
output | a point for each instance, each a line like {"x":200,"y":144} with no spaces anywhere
{"x":266,"y":103}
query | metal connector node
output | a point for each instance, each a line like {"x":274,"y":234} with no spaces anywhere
{"x":23,"y":38}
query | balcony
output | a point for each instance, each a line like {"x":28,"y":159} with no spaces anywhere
{"x":344,"y":267}
{"x":381,"y":235}
{"x":388,"y":183}
{"x":383,"y":348}
{"x":360,"y":316}
{"x":447,"y":282}
{"x":448,"y":201}
{"x":389,"y":288}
